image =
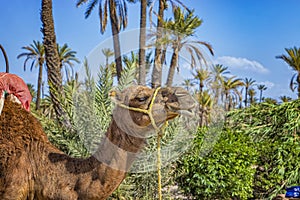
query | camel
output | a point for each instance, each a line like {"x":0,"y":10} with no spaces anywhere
{"x":32,"y":168}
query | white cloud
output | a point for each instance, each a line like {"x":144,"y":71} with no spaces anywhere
{"x":241,"y":64}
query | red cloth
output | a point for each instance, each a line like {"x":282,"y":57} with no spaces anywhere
{"x":13,"y":84}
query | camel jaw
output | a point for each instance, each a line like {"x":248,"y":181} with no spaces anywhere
{"x":174,"y":112}
{"x":184,"y":104}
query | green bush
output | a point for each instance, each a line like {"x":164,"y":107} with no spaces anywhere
{"x":275,"y":130}
{"x":226,"y":172}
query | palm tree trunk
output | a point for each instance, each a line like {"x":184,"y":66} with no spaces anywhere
{"x":5,"y":58}
{"x":260,"y":96}
{"x":157,"y":68}
{"x":246,"y":97}
{"x":172,"y":67}
{"x":39,"y":87}
{"x":52,"y":62}
{"x":142,"y":63}
{"x":116,"y":39}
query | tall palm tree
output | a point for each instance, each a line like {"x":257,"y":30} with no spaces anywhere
{"x":159,"y":55}
{"x":184,"y":26}
{"x":5,"y":58}
{"x":36,"y":53}
{"x":261,"y":88}
{"x":251,"y":94}
{"x":231,"y":91}
{"x":202,"y":75}
{"x":142,"y":38}
{"x":157,"y":68}
{"x":53,"y":62}
{"x":248,"y":82}
{"x":107,"y":52}
{"x":117,"y":10}
{"x":205,"y":106}
{"x":293,"y":60}
{"x":66,"y":58}
{"x":218,"y":76}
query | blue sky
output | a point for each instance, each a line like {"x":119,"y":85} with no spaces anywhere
{"x":246,"y":34}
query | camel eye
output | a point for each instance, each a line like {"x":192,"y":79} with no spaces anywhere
{"x":141,"y":99}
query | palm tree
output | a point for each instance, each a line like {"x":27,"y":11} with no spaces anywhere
{"x":285,"y":99}
{"x":36,"y":53}
{"x":142,"y":51}
{"x":231,"y":91}
{"x":188,"y":84}
{"x":184,"y":26}
{"x":117,"y":10}
{"x":157,"y":68}
{"x":66,"y":58}
{"x":107,"y":52}
{"x":53,"y":62}
{"x":248,"y":82}
{"x":159,"y":56}
{"x":5,"y":58}
{"x":251,"y":94}
{"x":293,"y":60}
{"x":261,"y":88}
{"x":202,"y":75}
{"x":218,"y":76}
{"x":205,"y":106}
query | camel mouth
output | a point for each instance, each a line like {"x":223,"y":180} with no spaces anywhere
{"x":175,"y":111}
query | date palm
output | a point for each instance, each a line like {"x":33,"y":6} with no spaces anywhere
{"x":248,"y":82}
{"x":142,"y":40}
{"x":261,"y":88}
{"x":117,"y":11}
{"x":203,"y":76}
{"x":231,"y":91}
{"x":107,"y":52}
{"x":205,"y":106}
{"x":66,"y":58}
{"x":293,"y":60}
{"x":53,"y":62}
{"x":218,"y":76}
{"x":183,"y":27}
{"x":36,"y":53}
{"x":159,"y":56}
{"x":252,"y":94}
{"x":188,"y":84}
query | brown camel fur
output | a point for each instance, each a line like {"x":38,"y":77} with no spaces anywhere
{"x":32,"y":168}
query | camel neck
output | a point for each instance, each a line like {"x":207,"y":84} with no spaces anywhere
{"x":118,"y":149}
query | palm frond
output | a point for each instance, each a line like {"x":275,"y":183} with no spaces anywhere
{"x":127,"y":77}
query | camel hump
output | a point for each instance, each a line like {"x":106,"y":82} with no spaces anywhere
{"x":19,"y":125}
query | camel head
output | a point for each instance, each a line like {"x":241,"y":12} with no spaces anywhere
{"x":134,"y":104}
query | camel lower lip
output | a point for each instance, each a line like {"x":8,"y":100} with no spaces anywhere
{"x":186,"y":113}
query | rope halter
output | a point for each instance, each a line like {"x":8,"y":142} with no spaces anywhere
{"x":148,"y":111}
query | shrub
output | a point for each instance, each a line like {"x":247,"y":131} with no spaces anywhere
{"x":226,"y":172}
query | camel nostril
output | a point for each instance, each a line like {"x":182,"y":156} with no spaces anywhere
{"x":172,"y":99}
